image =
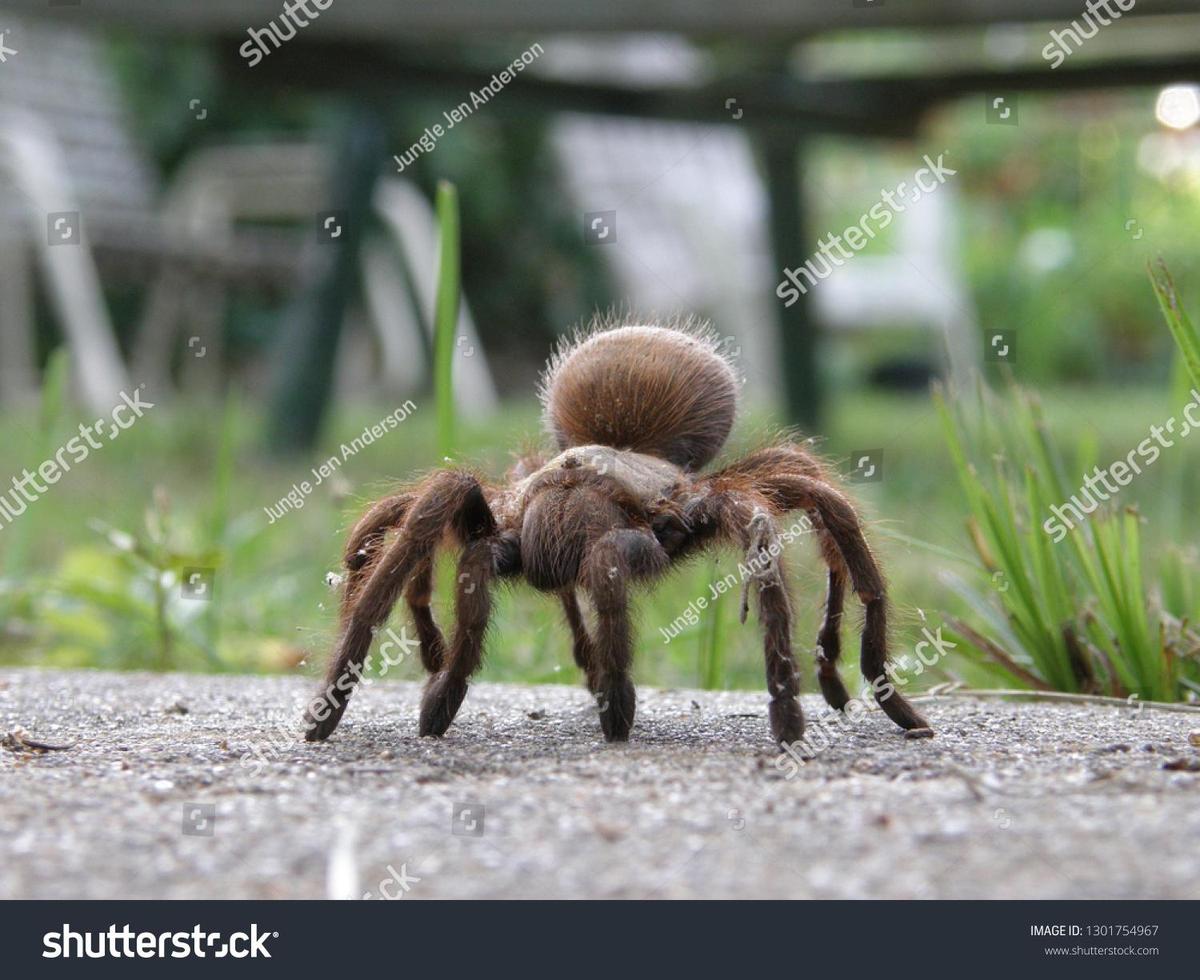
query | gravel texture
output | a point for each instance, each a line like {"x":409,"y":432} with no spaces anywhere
{"x":1010,"y":800}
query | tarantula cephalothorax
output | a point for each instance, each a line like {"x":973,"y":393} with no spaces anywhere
{"x":636,"y":412}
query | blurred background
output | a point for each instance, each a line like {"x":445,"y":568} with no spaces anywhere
{"x":228,"y":206}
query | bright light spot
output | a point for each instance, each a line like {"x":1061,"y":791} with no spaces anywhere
{"x":1178,"y":106}
{"x":1160,"y":154}
{"x":1046,"y":249}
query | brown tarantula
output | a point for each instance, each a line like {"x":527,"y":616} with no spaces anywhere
{"x":636,"y":411}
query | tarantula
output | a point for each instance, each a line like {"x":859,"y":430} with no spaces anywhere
{"x":636,"y":412}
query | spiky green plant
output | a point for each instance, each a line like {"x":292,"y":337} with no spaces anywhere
{"x":445,"y":317}
{"x":1081,"y":614}
{"x":710,"y":652}
{"x":1187,"y":339}
{"x":1077,"y":615}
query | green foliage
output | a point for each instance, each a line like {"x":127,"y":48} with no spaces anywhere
{"x":710,"y":651}
{"x":115,"y":599}
{"x":1080,"y":615}
{"x":445,"y":316}
{"x":1054,"y":224}
{"x":1083,"y":614}
{"x":1187,"y":339}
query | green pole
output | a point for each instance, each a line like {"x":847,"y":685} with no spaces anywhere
{"x":798,"y":340}
{"x":308,"y":345}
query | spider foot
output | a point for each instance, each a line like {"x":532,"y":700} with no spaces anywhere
{"x":617,"y":703}
{"x":902,"y":713}
{"x":443,"y":696}
{"x":834,"y":691}
{"x":321,"y":719}
{"x":787,"y":719}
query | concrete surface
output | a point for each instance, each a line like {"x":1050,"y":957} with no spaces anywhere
{"x":1011,"y":799}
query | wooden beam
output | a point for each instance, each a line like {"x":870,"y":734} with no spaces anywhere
{"x":919,"y":93}
{"x":882,"y":106}
{"x":402,"y":20}
{"x":767,"y":99}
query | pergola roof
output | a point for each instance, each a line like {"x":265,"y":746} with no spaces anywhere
{"x":402,"y":19}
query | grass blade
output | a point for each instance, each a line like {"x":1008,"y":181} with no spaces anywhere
{"x":445,"y":316}
{"x":1182,"y":329}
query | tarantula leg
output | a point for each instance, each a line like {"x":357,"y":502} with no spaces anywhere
{"x":841,"y":522}
{"x":616,"y":558}
{"x":445,"y":691}
{"x":762,"y":538}
{"x":874,"y":666}
{"x":362,"y":550}
{"x":417,"y":597}
{"x":774,"y":608}
{"x":366,"y":541}
{"x":829,"y":640}
{"x":420,"y":592}
{"x":793,"y":480}
{"x":449,"y":499}
{"x":783,"y":679}
{"x":581,"y":642}
{"x":744,"y":518}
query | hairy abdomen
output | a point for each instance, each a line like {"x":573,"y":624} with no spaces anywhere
{"x":664,"y":391}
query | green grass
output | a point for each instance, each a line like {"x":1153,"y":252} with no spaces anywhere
{"x":1187,"y":339}
{"x":1085,"y":608}
{"x":1076,"y":614}
{"x":445,"y":315}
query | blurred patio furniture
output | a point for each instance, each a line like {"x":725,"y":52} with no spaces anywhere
{"x":63,"y":151}
{"x":66,"y":149}
{"x":222,"y":191}
{"x":669,"y":254}
{"x":370,"y":49}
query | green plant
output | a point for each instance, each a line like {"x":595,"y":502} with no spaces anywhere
{"x":1187,"y":339}
{"x":445,"y":317}
{"x":710,"y":653}
{"x":139,"y":582}
{"x":117,"y":600}
{"x":1080,"y":615}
